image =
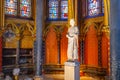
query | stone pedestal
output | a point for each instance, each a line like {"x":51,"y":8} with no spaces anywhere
{"x":16,"y":77}
{"x":72,"y":71}
{"x":38,"y":78}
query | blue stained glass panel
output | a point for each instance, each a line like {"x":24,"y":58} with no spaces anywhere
{"x":11,"y":7}
{"x":64,"y":9}
{"x":53,"y":16}
{"x":53,"y":9}
{"x":102,"y":6}
{"x":25,"y":8}
{"x":93,"y":7}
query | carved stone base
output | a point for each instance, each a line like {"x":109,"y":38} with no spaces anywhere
{"x":38,"y":78}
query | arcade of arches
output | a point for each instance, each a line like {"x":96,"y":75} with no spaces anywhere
{"x":19,"y":34}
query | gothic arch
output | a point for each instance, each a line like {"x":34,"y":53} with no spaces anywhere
{"x":87,"y":25}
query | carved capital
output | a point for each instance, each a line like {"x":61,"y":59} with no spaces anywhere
{"x":99,"y":35}
{"x":34,"y":37}
{"x":1,"y":34}
{"x":82,"y":37}
{"x":18,"y":37}
{"x":106,"y":30}
{"x":58,"y":30}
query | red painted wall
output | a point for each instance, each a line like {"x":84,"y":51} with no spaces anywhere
{"x":91,"y":47}
{"x":64,"y":44}
{"x":51,"y":47}
{"x":105,"y":42}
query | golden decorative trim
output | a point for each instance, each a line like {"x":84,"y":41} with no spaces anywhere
{"x":71,"y":10}
{"x":21,"y":28}
{"x":53,"y":68}
{"x":93,"y":70}
{"x":93,"y":20}
{"x":0,"y":34}
{"x":57,"y":23}
{"x":58,"y":30}
{"x":98,"y":22}
{"x":45,"y":32}
{"x":76,"y":12}
{"x":23,"y":32}
{"x":54,"y":24}
{"x":19,"y":21}
{"x":2,"y":13}
{"x":86,"y":27}
{"x":106,"y":11}
{"x":106,"y":29}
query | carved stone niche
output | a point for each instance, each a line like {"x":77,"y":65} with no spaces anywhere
{"x":26,"y":39}
{"x":9,"y":38}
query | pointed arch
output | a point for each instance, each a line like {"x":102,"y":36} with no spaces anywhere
{"x":87,"y":25}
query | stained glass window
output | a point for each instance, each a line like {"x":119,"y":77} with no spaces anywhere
{"x":11,"y":7}
{"x":19,"y":8}
{"x":53,"y":9}
{"x":102,"y":6}
{"x":64,"y":9}
{"x":25,"y":8}
{"x":58,"y":9}
{"x":93,"y":7}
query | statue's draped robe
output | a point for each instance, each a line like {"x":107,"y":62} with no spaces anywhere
{"x":72,"y":51}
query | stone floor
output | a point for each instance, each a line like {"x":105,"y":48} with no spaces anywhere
{"x":53,"y":77}
{"x":44,"y":77}
{"x":61,"y":77}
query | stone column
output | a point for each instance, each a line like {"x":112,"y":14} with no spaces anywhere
{"x":1,"y":29}
{"x":18,"y":49}
{"x":82,"y":52}
{"x":106,"y":28}
{"x":82,"y":48}
{"x":76,"y":12}
{"x":58,"y":45}
{"x":99,"y":49}
{"x":1,"y":13}
{"x":0,"y":52}
{"x":59,"y":30}
{"x":71,"y":10}
{"x":39,"y":25}
{"x":115,"y":39}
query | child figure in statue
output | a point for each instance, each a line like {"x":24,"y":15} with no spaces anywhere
{"x":72,"y":35}
{"x":16,"y":72}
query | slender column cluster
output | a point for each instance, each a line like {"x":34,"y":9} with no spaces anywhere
{"x":115,"y":39}
{"x":38,"y":45}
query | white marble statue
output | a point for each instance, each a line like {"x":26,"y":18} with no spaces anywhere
{"x":72,"y":35}
{"x":16,"y":71}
